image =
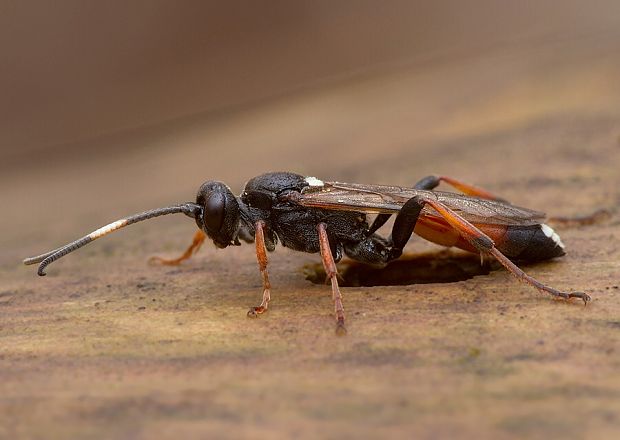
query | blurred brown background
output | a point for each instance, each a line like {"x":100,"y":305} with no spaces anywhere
{"x":227,"y":90}
{"x":78,"y":70}
{"x":230,"y":89}
{"x":109,"y":108}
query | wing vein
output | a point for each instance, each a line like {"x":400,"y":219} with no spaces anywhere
{"x":376,"y":199}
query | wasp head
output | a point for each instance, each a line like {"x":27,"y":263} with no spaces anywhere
{"x":219,"y":215}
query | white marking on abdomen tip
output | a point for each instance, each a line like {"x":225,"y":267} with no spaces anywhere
{"x":313,"y":181}
{"x":549,"y":232}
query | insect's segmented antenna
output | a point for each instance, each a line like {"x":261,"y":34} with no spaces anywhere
{"x":189,"y":209}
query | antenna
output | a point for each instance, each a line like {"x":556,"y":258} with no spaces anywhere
{"x":189,"y":209}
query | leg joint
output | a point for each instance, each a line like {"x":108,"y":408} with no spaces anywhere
{"x":482,"y":243}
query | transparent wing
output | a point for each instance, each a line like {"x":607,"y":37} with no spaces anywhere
{"x":389,"y":199}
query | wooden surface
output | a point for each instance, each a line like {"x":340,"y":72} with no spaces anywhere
{"x":107,"y":346}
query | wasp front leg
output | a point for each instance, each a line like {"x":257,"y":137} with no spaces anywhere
{"x":199,"y":238}
{"x":261,"y":256}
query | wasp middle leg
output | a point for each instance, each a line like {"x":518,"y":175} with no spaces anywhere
{"x":261,"y":256}
{"x":332,"y":275}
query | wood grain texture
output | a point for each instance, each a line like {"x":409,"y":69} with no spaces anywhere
{"x":108,"y":346}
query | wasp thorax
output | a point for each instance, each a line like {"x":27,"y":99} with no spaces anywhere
{"x":220,"y":213}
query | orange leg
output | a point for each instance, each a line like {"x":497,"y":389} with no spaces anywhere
{"x":332,"y":275}
{"x":470,"y":190}
{"x":485,"y":245}
{"x":429,"y":183}
{"x":261,"y":256}
{"x":199,"y":238}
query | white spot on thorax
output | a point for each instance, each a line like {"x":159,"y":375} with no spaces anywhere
{"x":313,"y":181}
{"x":549,"y":232}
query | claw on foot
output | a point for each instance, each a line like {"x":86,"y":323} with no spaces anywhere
{"x":341,"y":330}
{"x":255,"y":311}
{"x":570,"y":295}
{"x":584,"y":296}
{"x":154,"y":261}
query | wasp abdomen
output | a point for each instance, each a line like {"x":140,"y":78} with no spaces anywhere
{"x":531,"y":243}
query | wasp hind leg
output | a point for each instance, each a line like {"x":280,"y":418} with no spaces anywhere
{"x":199,"y":238}
{"x":429,"y":183}
{"x":409,"y":214}
{"x":522,"y":276}
{"x":261,"y":256}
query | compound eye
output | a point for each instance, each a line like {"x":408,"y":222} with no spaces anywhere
{"x":215,"y":210}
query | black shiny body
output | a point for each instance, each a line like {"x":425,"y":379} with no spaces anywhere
{"x":267,"y":198}
{"x":270,"y":198}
